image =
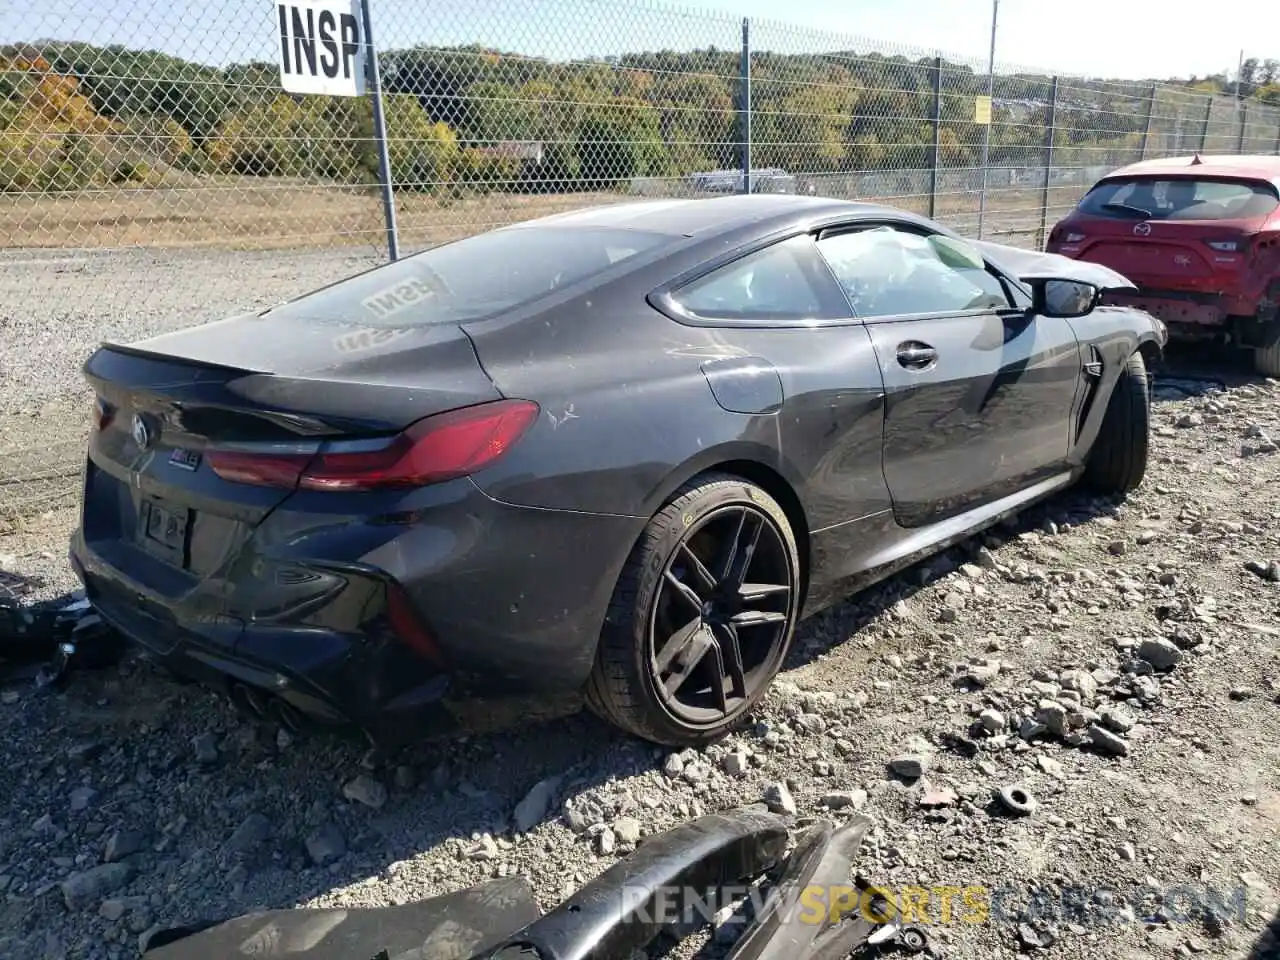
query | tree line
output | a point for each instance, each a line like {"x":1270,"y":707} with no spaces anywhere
{"x":76,"y":116}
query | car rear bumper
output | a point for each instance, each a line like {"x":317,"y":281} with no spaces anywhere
{"x":509,"y":600}
{"x":224,"y":655}
{"x":1189,"y":306}
{"x":1173,"y":307}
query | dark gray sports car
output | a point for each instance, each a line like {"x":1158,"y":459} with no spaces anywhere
{"x":617,"y":452}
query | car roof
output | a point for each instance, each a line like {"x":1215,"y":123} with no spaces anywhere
{"x":705,"y":217}
{"x":1243,"y":166}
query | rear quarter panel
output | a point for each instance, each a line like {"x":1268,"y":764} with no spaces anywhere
{"x":628,"y":413}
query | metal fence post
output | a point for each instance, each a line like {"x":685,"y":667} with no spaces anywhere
{"x":1051,"y":124}
{"x":991,"y":96}
{"x":744,"y":132}
{"x":936,"y":160}
{"x":1244,"y":121}
{"x":1151,"y":112}
{"x":1276,"y":115}
{"x":1204,"y":130}
{"x":380,"y":134}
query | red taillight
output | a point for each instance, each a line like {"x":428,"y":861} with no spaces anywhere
{"x":438,"y":448}
{"x":261,"y":469}
{"x":441,"y":447}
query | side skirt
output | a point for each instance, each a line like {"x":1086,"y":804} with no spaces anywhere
{"x":895,"y":548}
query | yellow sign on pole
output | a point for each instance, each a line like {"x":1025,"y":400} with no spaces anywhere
{"x":982,"y":110}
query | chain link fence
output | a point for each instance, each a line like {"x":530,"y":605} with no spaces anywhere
{"x":154,"y":173}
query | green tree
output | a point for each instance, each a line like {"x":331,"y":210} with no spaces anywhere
{"x":424,"y":154}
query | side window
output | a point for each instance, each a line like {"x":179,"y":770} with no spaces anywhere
{"x":887,"y":272}
{"x":781,"y":282}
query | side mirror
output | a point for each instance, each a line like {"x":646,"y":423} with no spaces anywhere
{"x":1066,"y":298}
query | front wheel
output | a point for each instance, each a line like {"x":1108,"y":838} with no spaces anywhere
{"x":702,"y":616}
{"x":1118,"y":460}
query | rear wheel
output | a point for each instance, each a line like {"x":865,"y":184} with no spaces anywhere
{"x":1118,"y":461}
{"x":702,"y":616}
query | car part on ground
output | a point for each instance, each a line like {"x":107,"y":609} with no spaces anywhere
{"x":455,"y":925}
{"x":627,"y":906}
{"x":56,"y":636}
{"x":854,"y":913}
{"x":1199,"y":236}
{"x":655,"y":890}
{"x":1017,"y":799}
{"x":770,"y":403}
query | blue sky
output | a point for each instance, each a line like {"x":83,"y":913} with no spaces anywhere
{"x":1115,"y":38}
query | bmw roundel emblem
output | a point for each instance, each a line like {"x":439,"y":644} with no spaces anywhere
{"x":141,"y":432}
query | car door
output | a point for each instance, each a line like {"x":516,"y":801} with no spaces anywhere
{"x":979,"y":391}
{"x":776,"y":316}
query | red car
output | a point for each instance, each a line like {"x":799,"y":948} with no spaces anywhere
{"x":1199,"y":237}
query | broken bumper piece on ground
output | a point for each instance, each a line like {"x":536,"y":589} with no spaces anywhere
{"x":609,"y":918}
{"x":58,"y":634}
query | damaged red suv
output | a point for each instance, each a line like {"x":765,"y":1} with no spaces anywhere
{"x":1199,"y":236}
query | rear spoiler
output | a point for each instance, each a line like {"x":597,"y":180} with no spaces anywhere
{"x":1032,"y":265}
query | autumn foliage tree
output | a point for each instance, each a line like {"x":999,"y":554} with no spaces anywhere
{"x":471,"y":118}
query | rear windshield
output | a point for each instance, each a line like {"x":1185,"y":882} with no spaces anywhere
{"x":1180,"y":199}
{"x":475,"y":278}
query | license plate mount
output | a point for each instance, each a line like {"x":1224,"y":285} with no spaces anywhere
{"x":164,"y":531}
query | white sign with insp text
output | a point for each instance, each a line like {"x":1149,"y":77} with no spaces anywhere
{"x":322,"y":48}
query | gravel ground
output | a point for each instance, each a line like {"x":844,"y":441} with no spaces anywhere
{"x":1118,"y":661}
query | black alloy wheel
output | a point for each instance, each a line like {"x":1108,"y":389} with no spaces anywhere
{"x":722,"y":613}
{"x":702,"y":617}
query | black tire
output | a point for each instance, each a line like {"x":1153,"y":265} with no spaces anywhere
{"x":1118,"y":460}
{"x":626,"y":684}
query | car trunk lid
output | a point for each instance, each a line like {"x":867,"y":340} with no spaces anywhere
{"x":286,"y":384}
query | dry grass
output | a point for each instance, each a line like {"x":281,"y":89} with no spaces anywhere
{"x":252,"y":214}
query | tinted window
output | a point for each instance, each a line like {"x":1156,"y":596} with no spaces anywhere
{"x":887,"y":272}
{"x":779,"y":282}
{"x":1180,"y":198}
{"x":477,"y":277}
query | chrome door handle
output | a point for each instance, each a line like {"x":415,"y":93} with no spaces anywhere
{"x":915,"y":356}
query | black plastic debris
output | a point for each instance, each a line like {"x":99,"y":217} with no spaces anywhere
{"x":612,"y":917}
{"x":56,"y":635}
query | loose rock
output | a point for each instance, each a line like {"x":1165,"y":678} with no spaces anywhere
{"x":204,"y":747}
{"x":1108,"y":742}
{"x":1081,"y":682}
{"x":910,"y":766}
{"x":1162,"y":654}
{"x":993,"y":721}
{"x":779,"y":799}
{"x":252,"y":833}
{"x":326,"y":845}
{"x":84,"y":889}
{"x":366,"y":790}
{"x":627,"y":830}
{"x":122,"y":844}
{"x":845,"y":799}
{"x":532,"y":810}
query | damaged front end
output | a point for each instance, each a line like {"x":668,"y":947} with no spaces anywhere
{"x":646,"y":895}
